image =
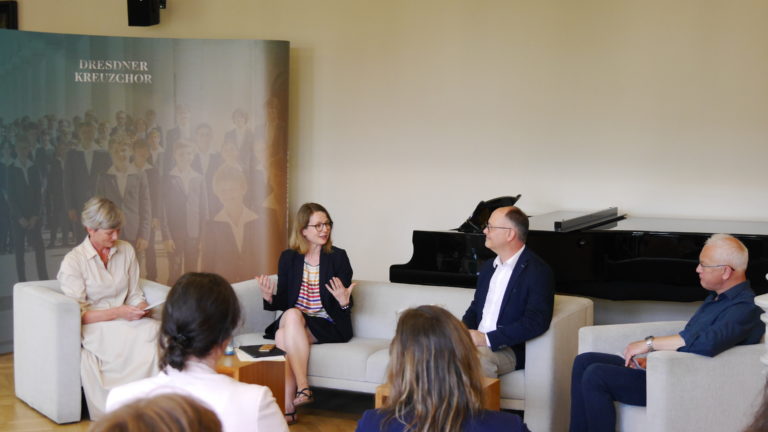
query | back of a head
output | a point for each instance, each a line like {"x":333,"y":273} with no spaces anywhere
{"x":434,"y":372}
{"x":164,"y":413}
{"x":200,"y":313}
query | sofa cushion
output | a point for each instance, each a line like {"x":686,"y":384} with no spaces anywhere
{"x":513,"y":385}
{"x":376,"y":369}
{"x":344,"y":360}
{"x":378,"y":304}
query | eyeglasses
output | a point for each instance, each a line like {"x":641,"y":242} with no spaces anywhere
{"x":319,"y":227}
{"x":490,"y":227}
{"x":714,"y":266}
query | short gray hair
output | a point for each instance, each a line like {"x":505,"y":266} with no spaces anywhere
{"x":729,"y":251}
{"x":101,"y":213}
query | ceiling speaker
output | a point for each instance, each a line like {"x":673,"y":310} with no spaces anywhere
{"x":143,"y":12}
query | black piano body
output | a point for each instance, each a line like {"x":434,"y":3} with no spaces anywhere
{"x":627,"y":259}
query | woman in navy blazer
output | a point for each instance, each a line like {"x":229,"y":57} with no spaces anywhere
{"x":435,"y":380}
{"x":314,"y":289}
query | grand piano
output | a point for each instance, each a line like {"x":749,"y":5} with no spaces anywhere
{"x":602,"y":254}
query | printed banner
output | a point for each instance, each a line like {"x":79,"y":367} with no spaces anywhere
{"x":187,"y":136}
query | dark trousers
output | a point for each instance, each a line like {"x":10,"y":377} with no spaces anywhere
{"x":151,"y":256}
{"x":6,"y":239}
{"x":597,"y":381}
{"x":34,"y":236}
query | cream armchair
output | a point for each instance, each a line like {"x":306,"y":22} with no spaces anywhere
{"x":46,"y":342}
{"x":685,"y":392}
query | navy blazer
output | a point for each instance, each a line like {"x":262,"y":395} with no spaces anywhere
{"x":488,"y":421}
{"x":526,"y":308}
{"x":79,"y":183}
{"x":290,"y":270}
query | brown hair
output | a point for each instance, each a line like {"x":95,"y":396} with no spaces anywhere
{"x":296,"y":240}
{"x":434,"y":372}
{"x":164,"y":413}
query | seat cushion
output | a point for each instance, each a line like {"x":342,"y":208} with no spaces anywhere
{"x":513,"y":385}
{"x":344,"y":360}
{"x":376,"y":370}
{"x":631,"y":418}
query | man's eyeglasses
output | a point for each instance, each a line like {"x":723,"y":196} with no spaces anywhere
{"x":319,"y":227}
{"x":490,"y":227}
{"x":714,"y":266}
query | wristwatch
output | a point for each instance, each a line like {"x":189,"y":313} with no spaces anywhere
{"x":649,"y":343}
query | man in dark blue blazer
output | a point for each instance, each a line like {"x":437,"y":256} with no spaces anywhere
{"x":515,"y":295}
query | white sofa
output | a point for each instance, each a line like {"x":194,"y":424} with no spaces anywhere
{"x":542,"y":389}
{"x":46,"y":347}
{"x":685,"y":392}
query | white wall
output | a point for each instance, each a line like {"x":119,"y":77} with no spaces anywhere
{"x":406,"y":113}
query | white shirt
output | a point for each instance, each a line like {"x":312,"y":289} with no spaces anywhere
{"x":24,"y":168}
{"x":88,"y":154}
{"x":496,"y":289}
{"x":239,"y":406}
{"x":83,"y":277}
{"x":237,"y":228}
{"x":122,"y":177}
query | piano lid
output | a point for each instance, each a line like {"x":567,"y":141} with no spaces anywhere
{"x":547,"y":222}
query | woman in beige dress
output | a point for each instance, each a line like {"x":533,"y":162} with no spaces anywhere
{"x":118,"y":338}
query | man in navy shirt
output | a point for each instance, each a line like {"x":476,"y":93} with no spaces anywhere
{"x":728,"y":317}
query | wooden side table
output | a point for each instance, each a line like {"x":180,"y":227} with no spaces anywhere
{"x":491,"y":394}
{"x":270,"y":373}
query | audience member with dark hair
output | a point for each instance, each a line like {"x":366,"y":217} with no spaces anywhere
{"x":314,"y":289}
{"x":199,"y":316}
{"x":102,"y":274}
{"x":163,"y":413}
{"x":435,"y":380}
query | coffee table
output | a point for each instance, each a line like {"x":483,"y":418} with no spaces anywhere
{"x":491,"y":394}
{"x":270,"y":373}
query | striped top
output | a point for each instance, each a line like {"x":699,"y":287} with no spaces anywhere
{"x":309,"y":294}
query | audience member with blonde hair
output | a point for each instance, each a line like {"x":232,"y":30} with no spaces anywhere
{"x":102,"y":274}
{"x":435,"y":380}
{"x":163,"y":413}
{"x":314,"y":289}
{"x":199,"y":316}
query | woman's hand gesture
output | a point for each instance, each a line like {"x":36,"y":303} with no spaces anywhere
{"x":339,"y":291}
{"x":267,"y":287}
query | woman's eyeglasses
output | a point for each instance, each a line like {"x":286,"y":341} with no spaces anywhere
{"x":319,"y":227}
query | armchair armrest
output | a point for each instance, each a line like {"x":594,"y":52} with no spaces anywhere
{"x":612,"y":339}
{"x":549,"y":358}
{"x":46,"y":339}
{"x":689,"y":392}
{"x":153,"y":291}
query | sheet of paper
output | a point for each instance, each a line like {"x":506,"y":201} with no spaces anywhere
{"x":154,"y":305}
